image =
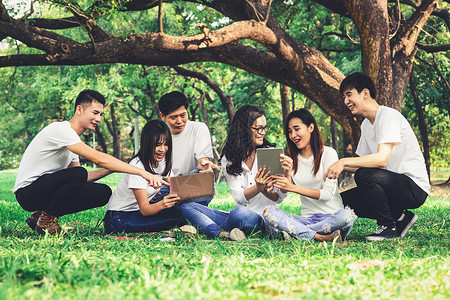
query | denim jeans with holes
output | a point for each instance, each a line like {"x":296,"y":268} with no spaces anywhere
{"x":213,"y":221}
{"x":305,"y":228}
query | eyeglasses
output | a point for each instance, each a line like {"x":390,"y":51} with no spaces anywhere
{"x":260,"y":130}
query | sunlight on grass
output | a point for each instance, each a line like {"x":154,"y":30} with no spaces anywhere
{"x":89,"y":264}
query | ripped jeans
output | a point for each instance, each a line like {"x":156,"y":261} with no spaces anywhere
{"x":306,"y":227}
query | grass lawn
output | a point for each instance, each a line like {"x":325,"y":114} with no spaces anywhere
{"x":91,"y":265}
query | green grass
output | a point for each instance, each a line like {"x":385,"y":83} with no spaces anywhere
{"x":91,"y":265}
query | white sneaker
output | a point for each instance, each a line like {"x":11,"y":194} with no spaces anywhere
{"x":237,"y":235}
{"x":188,"y":229}
{"x":286,"y":236}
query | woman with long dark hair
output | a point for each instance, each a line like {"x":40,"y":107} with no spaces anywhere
{"x":323,"y":214}
{"x":129,"y":208}
{"x":250,"y":186}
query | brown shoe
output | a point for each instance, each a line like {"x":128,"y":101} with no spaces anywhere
{"x":48,"y":223}
{"x":335,"y":235}
{"x":32,"y":220}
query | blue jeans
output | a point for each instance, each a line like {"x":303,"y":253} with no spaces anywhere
{"x":134,"y":221}
{"x":305,"y":228}
{"x":212,"y":221}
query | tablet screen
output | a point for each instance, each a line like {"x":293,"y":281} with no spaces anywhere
{"x":270,"y":158}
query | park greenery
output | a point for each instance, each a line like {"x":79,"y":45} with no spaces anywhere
{"x":37,"y":92}
{"x":91,"y":265}
{"x":330,"y":39}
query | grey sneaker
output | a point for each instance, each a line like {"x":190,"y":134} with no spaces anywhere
{"x":237,"y":235}
{"x":337,"y":236}
{"x":346,"y":232}
{"x":286,"y":236}
{"x":405,"y":222}
{"x":383,"y":233}
{"x":188,"y":229}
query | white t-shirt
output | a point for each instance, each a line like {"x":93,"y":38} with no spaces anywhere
{"x":330,"y":200}
{"x":123,"y":197}
{"x":47,"y":153}
{"x":189,"y":146}
{"x":390,"y":126}
{"x":241,"y":182}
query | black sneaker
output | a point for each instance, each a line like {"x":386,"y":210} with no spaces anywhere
{"x":405,"y":222}
{"x":383,"y":233}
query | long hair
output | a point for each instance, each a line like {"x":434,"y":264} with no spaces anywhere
{"x":239,"y":144}
{"x":153,"y":133}
{"x":316,"y":139}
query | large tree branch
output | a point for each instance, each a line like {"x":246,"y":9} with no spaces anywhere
{"x":404,"y":46}
{"x":433,"y":49}
{"x":410,"y":30}
{"x":336,"y":6}
{"x":288,"y":61}
{"x":441,"y":13}
{"x":35,"y":37}
{"x":54,"y":24}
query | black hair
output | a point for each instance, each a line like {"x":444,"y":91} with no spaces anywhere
{"x":152,"y":134}
{"x":239,"y":144}
{"x":358,"y":81}
{"x":87,"y":96}
{"x":172,"y":101}
{"x":316,"y":139}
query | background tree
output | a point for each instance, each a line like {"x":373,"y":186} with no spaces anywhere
{"x":305,"y":45}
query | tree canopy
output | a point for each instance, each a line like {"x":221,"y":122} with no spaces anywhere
{"x":255,"y":35}
{"x":222,"y":54}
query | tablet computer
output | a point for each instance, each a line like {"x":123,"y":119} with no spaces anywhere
{"x":193,"y":186}
{"x":270,"y":159}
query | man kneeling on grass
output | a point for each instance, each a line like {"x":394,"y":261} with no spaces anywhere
{"x":390,"y":171}
{"x":50,"y":181}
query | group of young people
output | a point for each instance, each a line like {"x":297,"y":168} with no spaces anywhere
{"x":390,"y":173}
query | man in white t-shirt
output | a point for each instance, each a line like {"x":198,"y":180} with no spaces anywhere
{"x":50,"y":181}
{"x":391,"y":176}
{"x":192,"y":150}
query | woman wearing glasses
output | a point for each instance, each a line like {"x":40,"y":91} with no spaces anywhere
{"x":323,"y":214}
{"x":250,"y":186}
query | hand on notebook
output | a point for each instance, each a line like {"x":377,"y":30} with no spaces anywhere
{"x":169,"y":200}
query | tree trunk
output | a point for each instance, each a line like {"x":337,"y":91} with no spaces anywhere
{"x":422,"y":124}
{"x":284,"y":94}
{"x":333,"y":131}
{"x":101,"y":140}
{"x":201,"y":105}
{"x":115,"y":133}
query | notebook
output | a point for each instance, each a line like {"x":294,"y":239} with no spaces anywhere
{"x":270,"y":159}
{"x":193,"y":186}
